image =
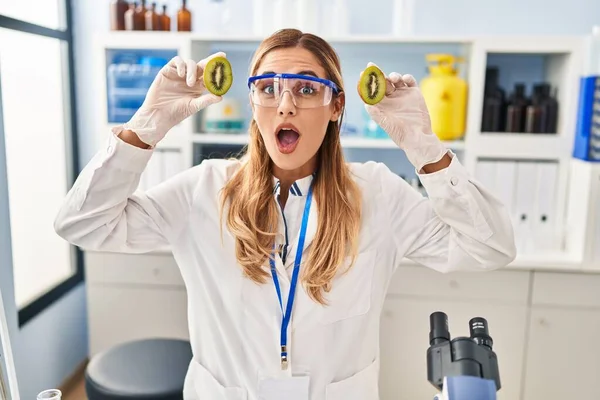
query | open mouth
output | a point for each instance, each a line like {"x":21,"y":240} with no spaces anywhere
{"x":287,"y":139}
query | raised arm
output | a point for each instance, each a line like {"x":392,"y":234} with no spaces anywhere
{"x":103,"y":210}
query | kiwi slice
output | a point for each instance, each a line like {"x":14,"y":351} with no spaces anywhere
{"x":218,"y":75}
{"x":372,"y":85}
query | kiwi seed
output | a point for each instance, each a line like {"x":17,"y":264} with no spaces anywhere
{"x":218,"y":75}
{"x":372,"y":85}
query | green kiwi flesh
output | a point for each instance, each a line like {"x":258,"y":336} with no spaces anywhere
{"x":372,"y":85}
{"x":218,"y":75}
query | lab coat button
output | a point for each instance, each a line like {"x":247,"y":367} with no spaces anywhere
{"x":109,"y":149}
{"x":454,"y":181}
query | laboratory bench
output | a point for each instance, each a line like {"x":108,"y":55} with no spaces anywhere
{"x":540,"y":319}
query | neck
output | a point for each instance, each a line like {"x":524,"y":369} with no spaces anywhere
{"x":288,"y":177}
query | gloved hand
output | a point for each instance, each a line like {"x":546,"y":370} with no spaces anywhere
{"x":176,"y":93}
{"x":404,"y":116}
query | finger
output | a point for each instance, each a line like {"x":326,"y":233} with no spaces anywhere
{"x":390,"y":86}
{"x":396,"y":79}
{"x":191,"y":72}
{"x":204,"y":101}
{"x":202,"y":63}
{"x":409,"y":80}
{"x":174,"y":65}
{"x":179,"y":65}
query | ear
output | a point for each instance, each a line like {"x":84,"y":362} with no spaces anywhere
{"x":337,"y":106}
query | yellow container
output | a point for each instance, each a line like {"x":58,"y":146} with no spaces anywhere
{"x":445,"y":94}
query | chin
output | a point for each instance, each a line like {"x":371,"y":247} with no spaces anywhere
{"x":288,"y":162}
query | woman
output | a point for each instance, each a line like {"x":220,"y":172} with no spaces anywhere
{"x":338,"y":231}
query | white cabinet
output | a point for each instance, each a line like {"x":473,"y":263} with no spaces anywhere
{"x":563,"y":360}
{"x":500,"y":297}
{"x":133,"y":297}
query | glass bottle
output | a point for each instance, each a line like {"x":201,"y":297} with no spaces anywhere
{"x":152,"y":19}
{"x":550,"y":107}
{"x":165,"y":20}
{"x":130,"y":17}
{"x":139,"y":18}
{"x":51,"y":394}
{"x":493,"y":103}
{"x":535,"y":116}
{"x":184,"y":18}
{"x":117,"y":14}
{"x":515,"y":112}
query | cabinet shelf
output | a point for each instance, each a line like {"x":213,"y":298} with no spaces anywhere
{"x":533,"y":146}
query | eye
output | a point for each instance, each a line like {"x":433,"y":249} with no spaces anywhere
{"x":268,"y":89}
{"x":305,"y":90}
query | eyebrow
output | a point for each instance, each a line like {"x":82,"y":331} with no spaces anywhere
{"x":304,"y":72}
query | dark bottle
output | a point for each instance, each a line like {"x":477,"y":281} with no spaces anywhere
{"x":535,"y":118}
{"x":492,"y":119}
{"x":165,"y":20}
{"x":130,"y":17}
{"x":550,"y":106}
{"x":184,"y":18}
{"x":139,"y":18}
{"x":117,"y":14}
{"x":152,"y":19}
{"x":516,"y":109}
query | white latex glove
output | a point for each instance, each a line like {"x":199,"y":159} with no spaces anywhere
{"x":177,"y":92}
{"x":404,"y":116}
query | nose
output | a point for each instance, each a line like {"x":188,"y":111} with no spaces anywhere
{"x":286,"y":104}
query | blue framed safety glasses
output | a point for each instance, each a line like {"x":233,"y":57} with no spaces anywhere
{"x":306,"y":91}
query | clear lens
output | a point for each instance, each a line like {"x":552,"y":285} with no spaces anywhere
{"x":305,"y":93}
{"x":52,"y":394}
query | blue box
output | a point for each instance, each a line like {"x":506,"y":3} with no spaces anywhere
{"x":129,"y":74}
{"x":587,"y":131}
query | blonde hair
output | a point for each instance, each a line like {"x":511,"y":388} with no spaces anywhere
{"x":252,"y":215}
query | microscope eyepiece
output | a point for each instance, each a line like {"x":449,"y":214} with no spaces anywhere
{"x":479,"y":332}
{"x":438,"y":323}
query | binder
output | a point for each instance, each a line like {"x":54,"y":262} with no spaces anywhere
{"x":544,"y":220}
{"x":523,"y":212}
{"x":505,"y":176}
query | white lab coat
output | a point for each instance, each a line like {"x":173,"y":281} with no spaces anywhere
{"x":234,"y":323}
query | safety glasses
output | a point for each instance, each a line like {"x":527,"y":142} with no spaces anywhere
{"x":306,"y":91}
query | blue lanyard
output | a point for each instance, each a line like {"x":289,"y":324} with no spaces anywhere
{"x":288,"y":311}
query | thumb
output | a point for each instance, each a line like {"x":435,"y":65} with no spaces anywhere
{"x":204,"y":101}
{"x":373,"y":110}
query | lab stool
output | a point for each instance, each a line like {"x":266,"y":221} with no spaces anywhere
{"x":151,"y":369}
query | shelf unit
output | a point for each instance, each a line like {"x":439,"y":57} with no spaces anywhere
{"x":563,"y":60}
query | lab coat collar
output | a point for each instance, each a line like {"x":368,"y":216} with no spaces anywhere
{"x":298,"y":188}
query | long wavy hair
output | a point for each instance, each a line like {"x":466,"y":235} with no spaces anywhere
{"x":252,"y":215}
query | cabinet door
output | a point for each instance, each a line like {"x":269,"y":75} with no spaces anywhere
{"x":405,"y":339}
{"x":563,"y":358}
{"x":124,"y":312}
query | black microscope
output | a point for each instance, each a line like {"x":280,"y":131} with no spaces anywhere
{"x":463,"y":368}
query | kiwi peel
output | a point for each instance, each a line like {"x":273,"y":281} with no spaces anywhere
{"x":218,"y":76}
{"x":372,"y":85}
